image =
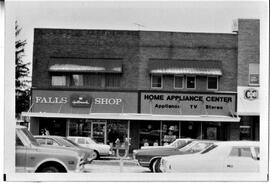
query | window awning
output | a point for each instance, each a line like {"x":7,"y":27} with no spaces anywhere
{"x":185,"y":67}
{"x":135,"y":116}
{"x":85,"y":65}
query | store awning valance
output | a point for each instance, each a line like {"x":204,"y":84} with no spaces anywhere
{"x":136,"y":116}
{"x":185,"y":67}
{"x":85,"y":65}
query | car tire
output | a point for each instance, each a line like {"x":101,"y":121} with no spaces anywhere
{"x":50,"y":169}
{"x":156,"y":166}
{"x":95,"y":155}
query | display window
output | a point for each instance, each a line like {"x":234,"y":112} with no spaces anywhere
{"x":150,"y":133}
{"x":170,"y":132}
{"x":116,"y":129}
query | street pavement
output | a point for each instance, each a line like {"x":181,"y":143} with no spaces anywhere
{"x":113,"y":166}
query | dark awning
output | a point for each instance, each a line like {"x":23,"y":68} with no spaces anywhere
{"x":185,"y":67}
{"x":85,"y":65}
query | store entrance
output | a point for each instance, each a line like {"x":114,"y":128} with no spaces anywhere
{"x":99,"y":132}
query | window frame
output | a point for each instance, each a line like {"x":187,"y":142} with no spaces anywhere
{"x":161,"y":84}
{"x":59,"y":75}
{"x":183,"y":81}
{"x":253,"y":73}
{"x":195,"y":83}
{"x":208,"y":83}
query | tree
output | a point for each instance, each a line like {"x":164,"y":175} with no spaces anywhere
{"x":22,"y":75}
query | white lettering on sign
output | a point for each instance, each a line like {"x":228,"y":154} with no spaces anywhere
{"x":51,"y":100}
{"x":108,"y":101}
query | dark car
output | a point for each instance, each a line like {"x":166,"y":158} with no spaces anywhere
{"x":150,"y":157}
{"x":50,"y":140}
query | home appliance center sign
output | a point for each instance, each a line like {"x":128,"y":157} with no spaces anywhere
{"x":188,"y":104}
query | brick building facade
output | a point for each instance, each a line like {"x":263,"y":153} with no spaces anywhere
{"x":150,"y":86}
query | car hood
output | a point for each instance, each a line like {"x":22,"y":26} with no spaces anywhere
{"x":154,"y":150}
{"x":175,"y":158}
{"x":58,"y":150}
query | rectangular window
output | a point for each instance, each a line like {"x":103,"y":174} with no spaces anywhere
{"x":77,"y":80}
{"x":59,"y":80}
{"x":156,"y":81}
{"x":191,"y":82}
{"x":254,"y":74}
{"x":212,"y":83}
{"x":112,"y":81}
{"x":92,"y":80}
{"x":178,"y":82}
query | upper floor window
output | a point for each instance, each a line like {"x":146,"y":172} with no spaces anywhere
{"x":112,"y":81}
{"x":191,"y":82}
{"x":59,"y":80}
{"x":254,"y":74}
{"x":212,"y":82}
{"x":178,"y":82}
{"x":77,"y":80}
{"x":156,"y":81}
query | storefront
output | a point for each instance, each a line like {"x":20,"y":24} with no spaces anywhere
{"x":249,"y":112}
{"x":82,"y":113}
{"x":185,"y":115}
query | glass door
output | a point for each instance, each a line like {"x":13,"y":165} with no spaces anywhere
{"x":99,"y":132}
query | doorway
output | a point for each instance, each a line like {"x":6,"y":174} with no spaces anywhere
{"x":99,"y":131}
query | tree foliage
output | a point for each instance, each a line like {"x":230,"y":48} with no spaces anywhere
{"x":21,"y":75}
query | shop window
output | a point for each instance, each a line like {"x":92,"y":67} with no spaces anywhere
{"x":156,"y":81}
{"x":149,"y":134}
{"x":254,"y":74}
{"x":117,"y":129}
{"x":59,"y":80}
{"x":178,"y":82}
{"x":80,"y":127}
{"x":212,"y":83}
{"x":191,"y":82}
{"x":77,"y":80}
{"x":92,"y":80}
{"x":170,"y":132}
{"x":112,"y":80}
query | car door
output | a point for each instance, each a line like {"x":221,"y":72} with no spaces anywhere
{"x":240,"y":159}
{"x":20,"y":161}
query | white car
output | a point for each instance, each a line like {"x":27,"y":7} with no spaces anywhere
{"x":227,"y":156}
{"x":99,"y":149}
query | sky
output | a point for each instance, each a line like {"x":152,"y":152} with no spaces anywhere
{"x":178,"y":16}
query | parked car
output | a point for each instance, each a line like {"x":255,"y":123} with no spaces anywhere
{"x":229,"y":156}
{"x":52,"y":140}
{"x":32,"y":157}
{"x":99,"y":149}
{"x":150,"y":157}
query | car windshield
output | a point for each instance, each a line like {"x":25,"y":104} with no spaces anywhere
{"x":64,"y":142}
{"x":179,"y":143}
{"x":70,"y":141}
{"x":91,"y":141}
{"x":196,"y":147}
{"x":30,"y":136}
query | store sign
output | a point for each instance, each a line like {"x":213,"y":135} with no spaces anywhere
{"x":78,"y":100}
{"x":188,"y":104}
{"x":251,"y":94}
{"x":50,"y":100}
{"x":84,"y":102}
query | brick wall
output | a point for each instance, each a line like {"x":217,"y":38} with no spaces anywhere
{"x":248,"y":48}
{"x":135,"y":48}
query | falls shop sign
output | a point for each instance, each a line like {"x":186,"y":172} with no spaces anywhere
{"x":78,"y":100}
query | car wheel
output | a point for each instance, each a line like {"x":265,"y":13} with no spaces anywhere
{"x":95,"y":155}
{"x":156,"y":165}
{"x":50,"y":169}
